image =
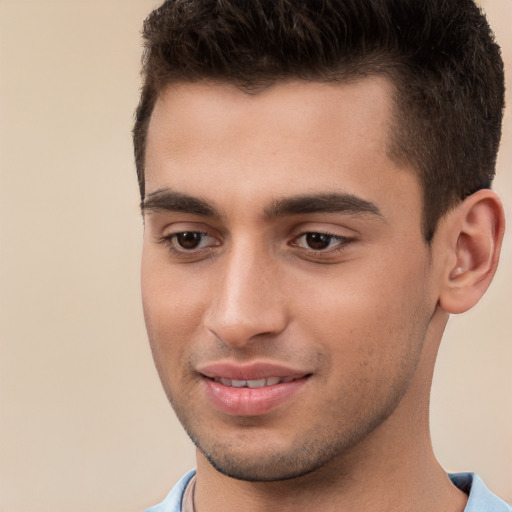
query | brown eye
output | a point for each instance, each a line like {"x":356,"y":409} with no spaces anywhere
{"x":319,"y":241}
{"x":189,"y":239}
{"x":189,"y":244}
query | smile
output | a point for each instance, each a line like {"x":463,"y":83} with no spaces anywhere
{"x":255,"y":383}
{"x":252,"y":397}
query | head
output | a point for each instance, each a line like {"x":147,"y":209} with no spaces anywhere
{"x":311,"y":176}
{"x":440,"y":57}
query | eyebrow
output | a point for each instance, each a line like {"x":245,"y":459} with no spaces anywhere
{"x":322,"y":203}
{"x":166,"y":200}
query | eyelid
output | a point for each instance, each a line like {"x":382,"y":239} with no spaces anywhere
{"x":168,"y":229}
{"x":330,"y":255}
{"x":341,"y":238}
{"x":333,"y":229}
{"x":168,"y":238}
{"x":174,"y":234}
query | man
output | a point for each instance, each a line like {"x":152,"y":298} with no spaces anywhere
{"x":315,"y":180}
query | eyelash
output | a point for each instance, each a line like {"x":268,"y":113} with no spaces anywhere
{"x":343,"y":241}
{"x":170,"y":242}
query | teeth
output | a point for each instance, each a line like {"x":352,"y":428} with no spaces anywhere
{"x":256,"y":383}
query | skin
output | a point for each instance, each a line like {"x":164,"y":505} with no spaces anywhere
{"x":349,"y":295}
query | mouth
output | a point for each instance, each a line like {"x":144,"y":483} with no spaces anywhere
{"x":253,"y":389}
{"x":252,"y":383}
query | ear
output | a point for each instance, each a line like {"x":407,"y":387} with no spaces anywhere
{"x":472,"y":236}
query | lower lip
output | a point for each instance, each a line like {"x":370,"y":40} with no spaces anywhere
{"x":251,"y":401}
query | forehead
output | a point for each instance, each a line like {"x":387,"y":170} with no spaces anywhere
{"x":291,"y":138}
{"x":222,"y":113}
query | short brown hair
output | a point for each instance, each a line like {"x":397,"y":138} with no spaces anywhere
{"x":440,"y":55}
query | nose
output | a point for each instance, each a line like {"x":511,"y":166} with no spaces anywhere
{"x":248,"y":302}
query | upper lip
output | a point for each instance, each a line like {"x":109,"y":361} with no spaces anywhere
{"x":249,"y":371}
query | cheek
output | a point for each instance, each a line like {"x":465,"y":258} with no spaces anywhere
{"x":369,"y":314}
{"x":173,"y":309}
{"x":173,"y":316}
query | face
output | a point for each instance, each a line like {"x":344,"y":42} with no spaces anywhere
{"x":285,"y":280}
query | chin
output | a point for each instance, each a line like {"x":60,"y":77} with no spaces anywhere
{"x":275,"y":461}
{"x":261,"y":471}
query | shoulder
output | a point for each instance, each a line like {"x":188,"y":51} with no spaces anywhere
{"x":481,"y":499}
{"x":172,"y":503}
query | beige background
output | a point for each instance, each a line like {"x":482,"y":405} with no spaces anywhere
{"x":84,"y":424}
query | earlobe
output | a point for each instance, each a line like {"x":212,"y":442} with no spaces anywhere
{"x":474,"y":235}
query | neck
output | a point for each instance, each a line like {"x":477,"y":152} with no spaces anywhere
{"x":410,"y":480}
{"x":393,"y":469}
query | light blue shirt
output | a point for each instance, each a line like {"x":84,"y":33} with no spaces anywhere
{"x":480,"y":498}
